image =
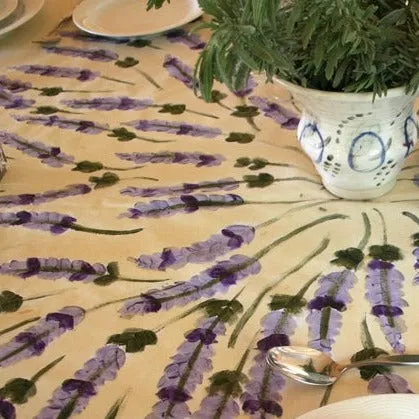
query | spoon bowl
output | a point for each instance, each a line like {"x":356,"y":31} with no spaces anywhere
{"x":310,"y":366}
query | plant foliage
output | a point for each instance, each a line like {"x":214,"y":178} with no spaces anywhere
{"x":332,"y":45}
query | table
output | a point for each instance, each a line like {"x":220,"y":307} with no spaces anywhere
{"x":154,"y":246}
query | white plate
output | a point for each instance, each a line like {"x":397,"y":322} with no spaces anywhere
{"x":385,"y":406}
{"x":129,"y":18}
{"x":26,"y":10}
{"x":7,"y":7}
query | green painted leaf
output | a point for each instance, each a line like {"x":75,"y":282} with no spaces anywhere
{"x":51,"y":91}
{"x":127,"y":62}
{"x":240,"y":137}
{"x":87,"y":166}
{"x":291,"y":303}
{"x":10,"y":302}
{"x":370,"y":353}
{"x":349,"y":258}
{"x":386,"y":252}
{"x":122,"y":134}
{"x":415,"y":238}
{"x":262,"y":180}
{"x":113,"y":268}
{"x":104,"y":181}
{"x":45,"y":110}
{"x":217,"y":96}
{"x":228,"y":382}
{"x":243,"y":162}
{"x":258,"y":163}
{"x":246,"y":111}
{"x":134,"y":340}
{"x":114,"y":410}
{"x":18,"y":390}
{"x":105,"y":280}
{"x":172,"y":109}
{"x":225,"y":310}
{"x":139,"y":43}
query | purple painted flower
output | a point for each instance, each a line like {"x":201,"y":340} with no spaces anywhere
{"x":325,"y":316}
{"x":216,"y":279}
{"x":278,"y":113}
{"x":46,"y":221}
{"x":78,"y":125}
{"x":169,"y":157}
{"x":210,"y":406}
{"x":90,"y":54}
{"x":33,"y":340}
{"x":74,"y":394}
{"x":416,"y":266}
{"x":40,"y":198}
{"x":121,"y":103}
{"x":179,"y":70}
{"x":178,"y":128}
{"x":184,"y":203}
{"x":53,"y":268}
{"x":231,"y":238}
{"x":11,"y":101}
{"x":14,"y":86}
{"x":185,"y":373}
{"x":388,"y":384}
{"x":384,"y":286}
{"x":227,"y":184}
{"x":52,"y":156}
{"x":247,"y":89}
{"x":262,"y":391}
{"x":191,"y":40}
{"x":7,"y":410}
{"x":80,"y":74}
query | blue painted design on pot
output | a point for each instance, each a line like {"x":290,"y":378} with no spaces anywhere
{"x":312,"y":141}
{"x":411,"y":133}
{"x":365,"y":148}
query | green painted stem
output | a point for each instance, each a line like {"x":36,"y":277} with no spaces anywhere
{"x":18,"y":325}
{"x":367,"y":232}
{"x":383,"y":222}
{"x":413,"y":217}
{"x":208,"y":115}
{"x":149,"y":78}
{"x":78,"y":227}
{"x":44,"y":370}
{"x":142,"y":280}
{"x":117,"y":80}
{"x":122,"y":169}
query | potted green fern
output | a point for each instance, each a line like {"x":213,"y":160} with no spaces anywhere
{"x":352,"y":66}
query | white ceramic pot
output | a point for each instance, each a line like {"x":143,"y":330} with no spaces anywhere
{"x":358,"y":146}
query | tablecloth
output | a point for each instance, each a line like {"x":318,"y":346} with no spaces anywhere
{"x":155,"y":246}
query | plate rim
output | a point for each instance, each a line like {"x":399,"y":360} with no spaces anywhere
{"x":36,"y":8}
{"x":85,"y":3}
{"x":379,"y":398}
{"x":11,"y":8}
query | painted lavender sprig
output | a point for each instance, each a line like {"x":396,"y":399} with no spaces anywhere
{"x":53,"y":222}
{"x":216,"y":279}
{"x":12,"y":101}
{"x":74,"y":394}
{"x":82,"y":126}
{"x":191,"y":40}
{"x":282,"y":116}
{"x":332,"y":297}
{"x":231,"y":238}
{"x":178,"y":128}
{"x":384,"y":290}
{"x":102,"y":55}
{"x":415,"y":242}
{"x":389,"y":384}
{"x":14,"y":86}
{"x":52,"y":156}
{"x":180,"y":71}
{"x":193,"y":359}
{"x":174,"y":157}
{"x":72,"y":270}
{"x":125,"y":103}
{"x":80,"y":74}
{"x":35,"y":339}
{"x":42,"y":197}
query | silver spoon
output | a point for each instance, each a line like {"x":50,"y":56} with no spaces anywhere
{"x":311,"y":366}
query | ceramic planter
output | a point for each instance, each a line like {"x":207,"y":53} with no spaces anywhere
{"x":358,"y":146}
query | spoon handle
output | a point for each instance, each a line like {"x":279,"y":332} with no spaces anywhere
{"x":393,"y":360}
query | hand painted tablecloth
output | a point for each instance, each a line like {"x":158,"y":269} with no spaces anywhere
{"x":154,"y":246}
